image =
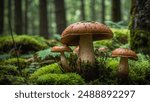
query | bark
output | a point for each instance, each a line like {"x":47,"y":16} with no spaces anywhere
{"x":116,"y":10}
{"x":1,"y":16}
{"x":43,"y":19}
{"x":26,"y":17}
{"x":18,"y":17}
{"x":93,"y":13}
{"x":140,"y":26}
{"x":82,"y":10}
{"x":103,"y":11}
{"x":60,"y":13}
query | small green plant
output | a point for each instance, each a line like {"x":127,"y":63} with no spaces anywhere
{"x":47,"y":54}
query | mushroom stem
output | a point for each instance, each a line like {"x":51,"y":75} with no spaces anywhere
{"x":86,"y":51}
{"x":123,"y":70}
{"x":64,"y":62}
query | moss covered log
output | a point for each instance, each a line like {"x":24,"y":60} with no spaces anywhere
{"x":25,"y":44}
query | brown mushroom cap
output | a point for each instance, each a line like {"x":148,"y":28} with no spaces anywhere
{"x":123,"y":52}
{"x":60,"y":49}
{"x":70,"y":36}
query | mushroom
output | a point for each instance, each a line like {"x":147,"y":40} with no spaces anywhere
{"x":103,"y":49}
{"x":124,"y":53}
{"x":83,"y":34}
{"x":76,"y":50}
{"x":63,"y":59}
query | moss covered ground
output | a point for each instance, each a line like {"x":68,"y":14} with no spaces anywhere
{"x":36,"y":64}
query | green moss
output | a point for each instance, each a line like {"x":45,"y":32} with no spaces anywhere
{"x":60,"y":79}
{"x":140,"y":41}
{"x":14,"y":61}
{"x":8,"y":70}
{"x":120,"y":32}
{"x":12,"y":80}
{"x":52,"y":68}
{"x":102,"y":43}
{"x":120,"y":38}
{"x":25,"y":43}
{"x":112,"y":63}
{"x":138,"y":70}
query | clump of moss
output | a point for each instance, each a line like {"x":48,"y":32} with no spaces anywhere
{"x":120,"y":38}
{"x":60,"y":79}
{"x":8,"y":70}
{"x":12,"y":80}
{"x":14,"y":61}
{"x":9,"y":75}
{"x":138,"y":70}
{"x":25,"y":43}
{"x":52,"y":68}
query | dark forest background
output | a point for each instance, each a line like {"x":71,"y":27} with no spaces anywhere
{"x":49,"y":17}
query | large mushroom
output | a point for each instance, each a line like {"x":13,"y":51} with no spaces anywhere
{"x":83,"y":34}
{"x":124,"y":53}
{"x":63,"y":60}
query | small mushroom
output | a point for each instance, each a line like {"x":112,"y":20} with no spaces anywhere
{"x":76,"y":50}
{"x":124,"y":53}
{"x":63,"y":59}
{"x":103,"y":49}
{"x":83,"y":34}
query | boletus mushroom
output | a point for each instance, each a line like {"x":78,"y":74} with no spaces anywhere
{"x":83,"y":34}
{"x":124,"y":55}
{"x":63,"y":60}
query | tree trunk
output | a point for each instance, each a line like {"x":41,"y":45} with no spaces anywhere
{"x":93,"y":14}
{"x":103,"y":11}
{"x":140,"y":26}
{"x":60,"y":13}
{"x":1,"y":16}
{"x":26,"y":17}
{"x":82,"y":10}
{"x":116,"y":10}
{"x":43,"y":19}
{"x":18,"y":17}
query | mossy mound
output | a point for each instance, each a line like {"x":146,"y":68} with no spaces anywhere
{"x":9,"y":75}
{"x":14,"y":61}
{"x":121,"y":35}
{"x":60,"y":79}
{"x":8,"y":70}
{"x":120,"y":38}
{"x":12,"y":80}
{"x":52,"y":68}
{"x":24,"y":43}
